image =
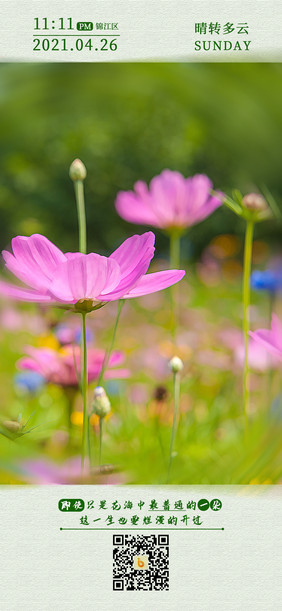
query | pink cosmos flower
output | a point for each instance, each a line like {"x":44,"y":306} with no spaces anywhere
{"x":270,"y":339}
{"x":259,"y":358}
{"x":170,"y":201}
{"x":63,"y":368}
{"x":41,"y":471}
{"x":74,"y":278}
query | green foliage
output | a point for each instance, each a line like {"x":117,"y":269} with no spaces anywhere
{"x":128,"y":122}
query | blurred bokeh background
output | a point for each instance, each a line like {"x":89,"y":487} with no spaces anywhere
{"x":128,"y":122}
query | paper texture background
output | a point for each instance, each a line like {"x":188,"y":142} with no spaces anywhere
{"x":45,"y":568}
{"x":149,"y":30}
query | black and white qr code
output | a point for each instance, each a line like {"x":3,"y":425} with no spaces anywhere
{"x":140,"y":562}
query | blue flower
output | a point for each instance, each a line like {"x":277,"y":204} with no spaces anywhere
{"x":276,"y":408}
{"x":29,"y":381}
{"x":268,"y":280}
{"x":114,"y":387}
{"x":89,"y":336}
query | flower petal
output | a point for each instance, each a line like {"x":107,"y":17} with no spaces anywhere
{"x":84,"y":277}
{"x":168,"y":198}
{"x":134,"y":250}
{"x":199,"y":202}
{"x":22,"y":294}
{"x":151,"y":283}
{"x":34,"y":260}
{"x":276,"y":329}
{"x":270,"y":339}
{"x":134,"y":207}
{"x":117,"y":374}
{"x":133,"y":257}
{"x":170,"y":201}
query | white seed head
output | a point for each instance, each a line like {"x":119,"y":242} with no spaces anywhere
{"x":77,"y":170}
{"x":255,"y":201}
{"x":176,"y":364}
{"x":101,"y":403}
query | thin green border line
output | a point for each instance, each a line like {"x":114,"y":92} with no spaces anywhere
{"x":137,"y":529}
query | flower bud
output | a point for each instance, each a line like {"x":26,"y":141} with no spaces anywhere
{"x":176,"y":364}
{"x":101,"y":403}
{"x":255,"y":202}
{"x":77,"y":170}
{"x":12,"y":425}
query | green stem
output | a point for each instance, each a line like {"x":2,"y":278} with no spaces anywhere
{"x":174,"y":250}
{"x":246,"y":312}
{"x":89,"y":441}
{"x":272,"y":299}
{"x":176,"y":397}
{"x":109,"y":351}
{"x":174,"y":255}
{"x":84,"y":384}
{"x":79,"y":195}
{"x":69,"y":395}
{"x":80,"y":204}
{"x":100,"y":439}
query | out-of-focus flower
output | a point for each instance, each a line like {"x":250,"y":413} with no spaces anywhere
{"x":267,"y":280}
{"x":83,"y":281}
{"x":64,"y":334}
{"x":271,"y":339}
{"x":63,"y":367}
{"x":89,"y":336}
{"x":29,"y":381}
{"x":49,"y":341}
{"x":259,"y":359}
{"x":224,"y":246}
{"x":12,"y":319}
{"x":67,"y":334}
{"x":42,"y":472}
{"x":231,"y":337}
{"x":171,"y":201}
{"x":77,"y":419}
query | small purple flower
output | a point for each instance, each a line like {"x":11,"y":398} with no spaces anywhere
{"x":171,"y":201}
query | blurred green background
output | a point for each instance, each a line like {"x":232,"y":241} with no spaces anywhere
{"x":128,"y":122}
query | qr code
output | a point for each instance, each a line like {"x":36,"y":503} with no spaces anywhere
{"x":140,"y":563}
